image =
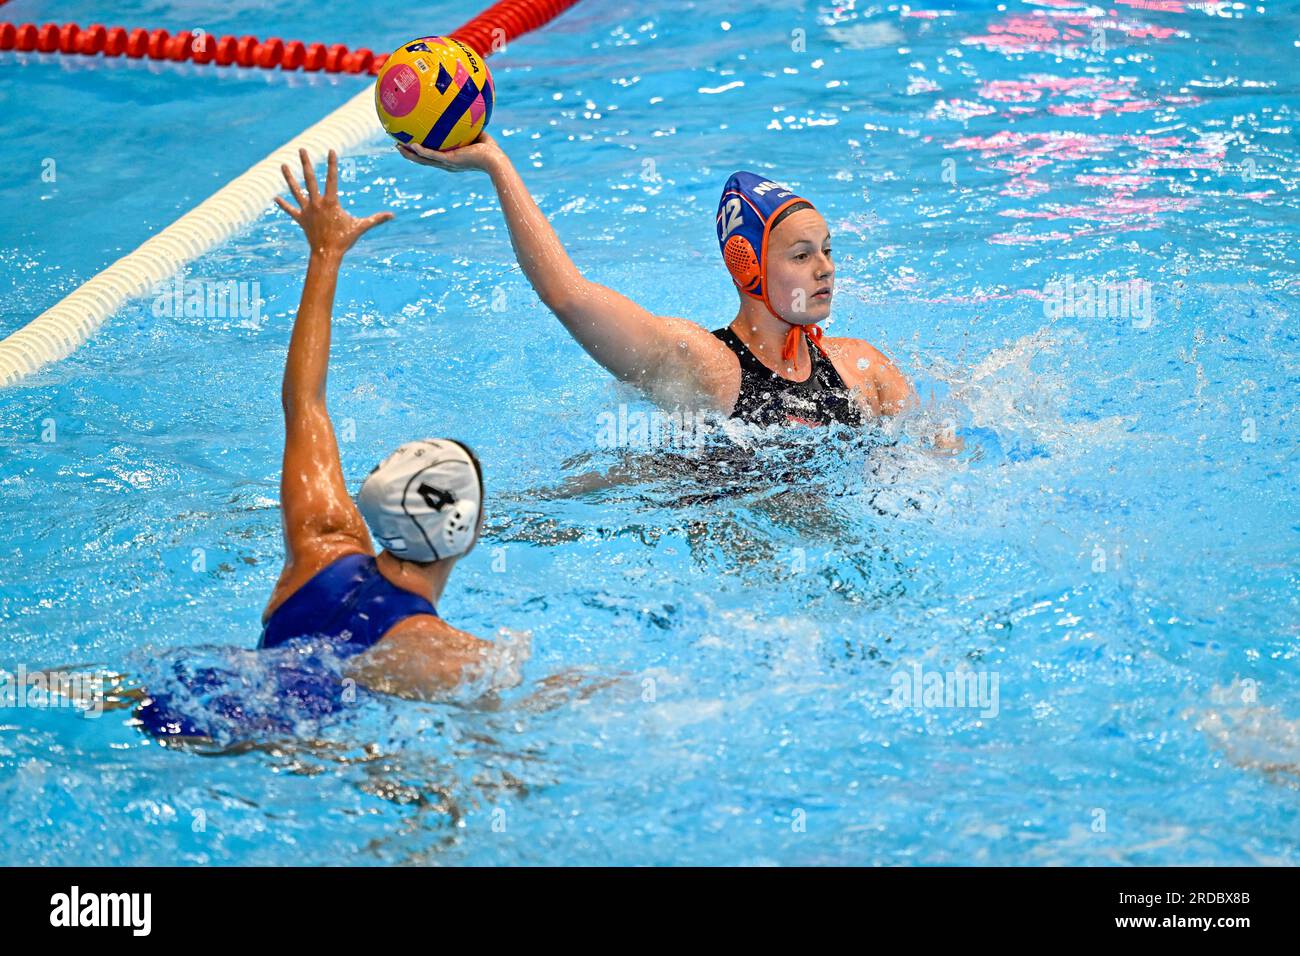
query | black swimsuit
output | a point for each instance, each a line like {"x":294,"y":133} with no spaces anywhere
{"x":766,"y":398}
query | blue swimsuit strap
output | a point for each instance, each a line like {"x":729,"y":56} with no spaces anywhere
{"x":350,"y":596}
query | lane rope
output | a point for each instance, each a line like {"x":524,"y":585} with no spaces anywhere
{"x":65,"y":326}
{"x":188,"y":46}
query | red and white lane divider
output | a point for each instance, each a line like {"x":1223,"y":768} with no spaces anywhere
{"x":192,"y":46}
{"x":61,"y":329}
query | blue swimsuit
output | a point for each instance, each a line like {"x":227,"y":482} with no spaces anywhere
{"x":347,"y":602}
{"x":348,"y":605}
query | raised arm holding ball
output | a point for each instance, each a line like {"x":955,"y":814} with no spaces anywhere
{"x":770,"y":365}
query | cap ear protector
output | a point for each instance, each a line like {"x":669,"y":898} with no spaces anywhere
{"x":423,"y":501}
{"x":742,"y":263}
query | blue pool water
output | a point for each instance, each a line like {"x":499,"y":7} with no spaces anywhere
{"x":700,"y":663}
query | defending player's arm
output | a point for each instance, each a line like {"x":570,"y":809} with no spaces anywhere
{"x":313,"y":494}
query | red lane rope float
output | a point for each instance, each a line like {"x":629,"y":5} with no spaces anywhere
{"x":502,"y":22}
{"x":486,"y":33}
{"x":202,"y":48}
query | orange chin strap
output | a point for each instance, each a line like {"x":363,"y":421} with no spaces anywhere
{"x":791,"y":347}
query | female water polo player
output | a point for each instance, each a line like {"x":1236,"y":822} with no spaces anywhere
{"x":423,"y":502}
{"x":770,"y":365}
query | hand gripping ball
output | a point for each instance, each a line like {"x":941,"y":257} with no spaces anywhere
{"x":434,"y":91}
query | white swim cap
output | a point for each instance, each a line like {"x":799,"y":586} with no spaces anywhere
{"x":422,"y":502}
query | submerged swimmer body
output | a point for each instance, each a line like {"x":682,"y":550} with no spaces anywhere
{"x":770,"y":365}
{"x":375,"y":611}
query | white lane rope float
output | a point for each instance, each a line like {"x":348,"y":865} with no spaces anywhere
{"x":64,"y":327}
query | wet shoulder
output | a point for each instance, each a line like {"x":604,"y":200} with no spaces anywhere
{"x":860,"y":362}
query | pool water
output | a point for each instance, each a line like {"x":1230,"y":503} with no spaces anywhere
{"x":1073,"y":226}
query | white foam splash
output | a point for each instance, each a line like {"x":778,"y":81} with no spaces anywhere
{"x":865,"y":36}
{"x":1251,"y":735}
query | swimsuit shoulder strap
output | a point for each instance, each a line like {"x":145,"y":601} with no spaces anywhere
{"x":763,"y":393}
{"x":380,"y":605}
{"x":834,"y":397}
{"x":825,"y":372}
{"x":348,"y":596}
{"x":748,"y":360}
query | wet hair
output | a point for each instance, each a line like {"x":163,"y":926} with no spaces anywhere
{"x":478,"y":470}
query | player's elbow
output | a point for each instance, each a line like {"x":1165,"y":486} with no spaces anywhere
{"x":566,"y":296}
{"x":304,"y":411}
